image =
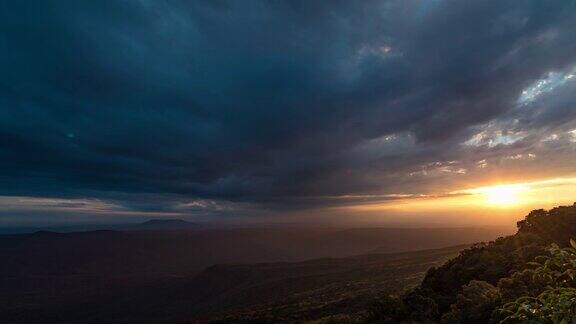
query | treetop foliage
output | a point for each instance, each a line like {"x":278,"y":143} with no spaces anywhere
{"x":528,"y":277}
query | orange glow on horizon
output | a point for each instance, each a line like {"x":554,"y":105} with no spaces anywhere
{"x":502,"y":195}
{"x":498,"y":203}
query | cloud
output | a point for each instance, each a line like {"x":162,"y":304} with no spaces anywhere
{"x":276,"y":104}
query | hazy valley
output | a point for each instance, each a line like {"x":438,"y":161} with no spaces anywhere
{"x":209,"y":274}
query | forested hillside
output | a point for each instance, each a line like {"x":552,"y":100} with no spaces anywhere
{"x":526,"y":277}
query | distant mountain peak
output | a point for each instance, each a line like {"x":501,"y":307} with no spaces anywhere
{"x":166,"y":223}
{"x":163,"y":221}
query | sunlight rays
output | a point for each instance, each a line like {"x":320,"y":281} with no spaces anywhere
{"x":502,"y":195}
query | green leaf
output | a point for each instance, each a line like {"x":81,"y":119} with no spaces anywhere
{"x":573,"y":243}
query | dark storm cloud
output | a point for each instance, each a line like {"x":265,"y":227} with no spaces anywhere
{"x":156,"y":104}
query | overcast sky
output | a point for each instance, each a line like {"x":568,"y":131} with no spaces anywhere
{"x":211,"y":109}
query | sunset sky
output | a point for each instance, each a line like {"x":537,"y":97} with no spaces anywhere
{"x":401,"y":112}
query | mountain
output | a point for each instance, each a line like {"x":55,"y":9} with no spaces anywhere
{"x":153,"y":224}
{"x":161,"y":224}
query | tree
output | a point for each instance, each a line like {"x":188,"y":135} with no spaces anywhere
{"x":554,"y":278}
{"x":474,"y":305}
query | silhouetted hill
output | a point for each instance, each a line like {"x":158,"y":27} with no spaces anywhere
{"x":163,"y":224}
{"x":153,"y":224}
{"x":472,"y":287}
{"x":311,"y":289}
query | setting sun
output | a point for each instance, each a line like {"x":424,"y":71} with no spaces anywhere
{"x":505,"y":195}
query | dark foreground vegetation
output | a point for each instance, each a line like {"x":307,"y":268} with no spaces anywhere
{"x":529,"y":277}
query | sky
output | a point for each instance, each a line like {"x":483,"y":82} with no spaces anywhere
{"x":405,"y":112}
